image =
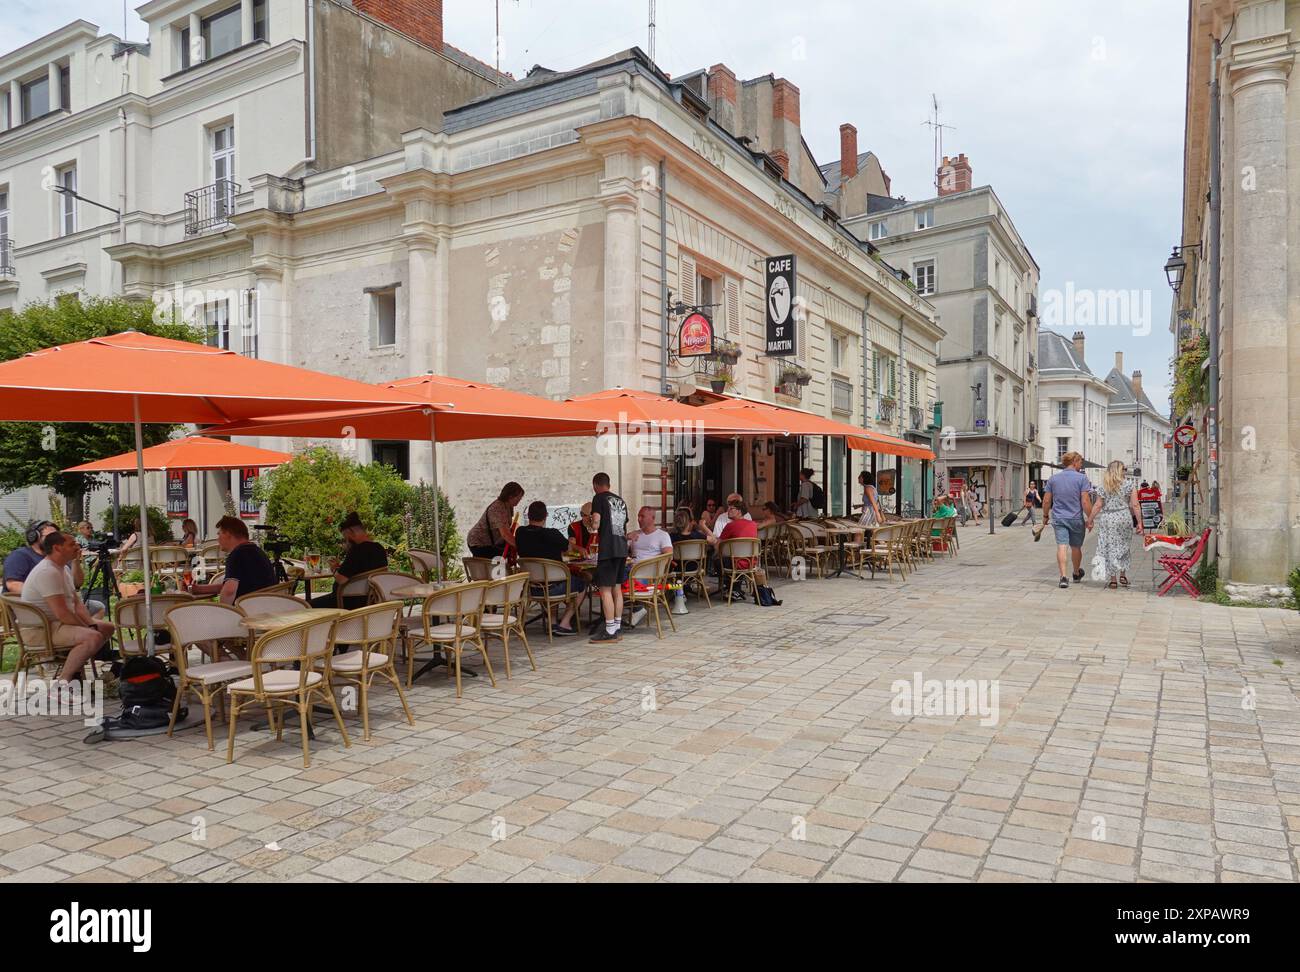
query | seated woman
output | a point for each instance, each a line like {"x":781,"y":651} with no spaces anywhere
{"x":943,"y":509}
{"x":189,"y":533}
{"x":770,"y":515}
{"x":130,"y":543}
{"x":583,"y":531}
{"x":685,"y":526}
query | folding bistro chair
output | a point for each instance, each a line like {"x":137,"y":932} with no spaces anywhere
{"x":541,"y":575}
{"x":199,"y":623}
{"x":738,"y":559}
{"x":260,"y":602}
{"x":382,"y":586}
{"x":128,"y":616}
{"x":463,"y":605}
{"x":692,"y":565}
{"x":424,"y":563}
{"x":1178,"y":566}
{"x":477,"y":568}
{"x":33,"y":631}
{"x":508,"y":599}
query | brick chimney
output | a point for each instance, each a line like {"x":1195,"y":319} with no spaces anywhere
{"x":1078,"y":346}
{"x":420,"y":19}
{"x":954,"y":175}
{"x":1119,"y":362}
{"x":1137,"y":385}
{"x":722,"y":96}
{"x":780,"y":158}
{"x":785,"y":101}
{"x":848,"y":152}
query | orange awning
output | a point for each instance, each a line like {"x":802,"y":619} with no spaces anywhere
{"x":797,"y":422}
{"x":196,"y":452}
{"x":626,"y":406}
{"x":100,"y":380}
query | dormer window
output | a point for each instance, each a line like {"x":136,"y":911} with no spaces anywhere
{"x":35,"y":97}
{"x":221,"y":32}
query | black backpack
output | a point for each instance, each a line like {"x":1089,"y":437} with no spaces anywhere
{"x":818,"y":497}
{"x":145,"y":681}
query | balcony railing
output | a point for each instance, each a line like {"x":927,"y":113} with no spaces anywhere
{"x":885,"y":410}
{"x":210,"y":207}
{"x":842,"y":395}
{"x":1033,"y":433}
{"x":1033,"y":361}
{"x":6,"y":257}
{"x":916,"y":415}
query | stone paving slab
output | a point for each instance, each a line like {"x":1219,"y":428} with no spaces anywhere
{"x":1135,"y":738}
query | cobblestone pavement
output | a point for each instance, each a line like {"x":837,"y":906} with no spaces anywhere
{"x":1138,"y":739}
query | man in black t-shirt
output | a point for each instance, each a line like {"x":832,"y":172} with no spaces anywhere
{"x":536,"y":540}
{"x":610,"y":513}
{"x":363,"y":555}
{"x":248,"y":568}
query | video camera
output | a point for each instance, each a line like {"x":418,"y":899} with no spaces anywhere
{"x":100,"y":543}
{"x":272,"y":542}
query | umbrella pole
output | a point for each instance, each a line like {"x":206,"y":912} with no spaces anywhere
{"x":144,"y":528}
{"x":437,"y":498}
{"x":115,"y":505}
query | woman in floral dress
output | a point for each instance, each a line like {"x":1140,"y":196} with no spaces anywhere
{"x":1115,"y":513}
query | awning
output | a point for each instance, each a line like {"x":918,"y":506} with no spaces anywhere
{"x":797,"y":422}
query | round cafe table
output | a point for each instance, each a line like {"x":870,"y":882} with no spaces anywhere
{"x":420,"y":592}
{"x":840,"y":535}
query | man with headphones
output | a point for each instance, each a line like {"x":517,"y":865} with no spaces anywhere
{"x":21,"y":561}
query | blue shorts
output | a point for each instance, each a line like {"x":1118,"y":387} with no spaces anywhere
{"x":1069,"y":532}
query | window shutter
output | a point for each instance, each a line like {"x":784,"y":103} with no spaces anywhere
{"x":686,"y":278}
{"x":893,"y":378}
{"x":733,"y":306}
{"x":875,"y":370}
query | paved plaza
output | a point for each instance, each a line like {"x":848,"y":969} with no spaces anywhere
{"x":1136,"y":738}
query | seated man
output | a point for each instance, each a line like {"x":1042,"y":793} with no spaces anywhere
{"x":537,"y":541}
{"x":738,"y":525}
{"x":49,"y":588}
{"x":649,"y":540}
{"x":363,"y":555}
{"x":248,"y":568}
{"x":23,"y":560}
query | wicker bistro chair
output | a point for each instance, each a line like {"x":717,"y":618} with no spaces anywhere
{"x":730,"y":555}
{"x":200,"y":623}
{"x":33,"y":630}
{"x":128,"y":616}
{"x":541,"y":575}
{"x":947,"y":538}
{"x":278,"y":686}
{"x":171,"y":561}
{"x":654,"y":572}
{"x":509,"y":600}
{"x":462,"y":605}
{"x":382,"y":586}
{"x":357,"y":585}
{"x":477,"y":568}
{"x":424,"y":562}
{"x":883,"y":552}
{"x":776,"y":547}
{"x":209,"y":550}
{"x":804,"y":543}
{"x":372,"y":634}
{"x":692,"y":558}
{"x":261,"y":602}
{"x":128,"y":560}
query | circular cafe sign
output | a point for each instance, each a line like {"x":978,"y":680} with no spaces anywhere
{"x":778,"y":296}
{"x":1185,"y":435}
{"x":695,"y":337}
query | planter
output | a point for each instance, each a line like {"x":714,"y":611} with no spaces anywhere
{"x":719,"y":385}
{"x":130,"y":590}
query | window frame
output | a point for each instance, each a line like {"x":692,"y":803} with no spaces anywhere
{"x":205,"y":31}
{"x":878,"y":230}
{"x":216,"y":324}
{"x":66,"y":209}
{"x":376,"y":295}
{"x":401,"y":446}
{"x":1063,"y":408}
{"x":6,"y":214}
{"x":932,"y":266}
{"x":24,"y":98}
{"x":925,"y":219}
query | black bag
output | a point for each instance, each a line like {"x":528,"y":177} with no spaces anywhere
{"x":818,"y":497}
{"x":767,"y":596}
{"x":144,"y":682}
{"x":150,"y":715}
{"x":1010,"y":519}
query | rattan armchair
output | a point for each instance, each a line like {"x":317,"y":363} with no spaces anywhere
{"x":541,"y":575}
{"x":731,"y":554}
{"x":129,"y":619}
{"x":692,"y":558}
{"x":652,"y":572}
{"x":371,"y":632}
{"x":462,"y":605}
{"x":508,"y":600}
{"x":202,"y":623}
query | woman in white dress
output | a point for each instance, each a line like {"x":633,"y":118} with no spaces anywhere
{"x":870,"y":503}
{"x":1117,"y":518}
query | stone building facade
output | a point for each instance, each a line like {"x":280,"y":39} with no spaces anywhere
{"x":1073,"y":404}
{"x":1246,"y":303}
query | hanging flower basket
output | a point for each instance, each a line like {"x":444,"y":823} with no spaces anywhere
{"x":727,"y":352}
{"x":793,"y":374}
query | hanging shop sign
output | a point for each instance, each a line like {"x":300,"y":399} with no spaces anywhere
{"x":695,"y":336}
{"x":780,"y":306}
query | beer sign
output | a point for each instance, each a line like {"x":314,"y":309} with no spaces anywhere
{"x":248,"y":508}
{"x":695,"y":336}
{"x":178,"y":494}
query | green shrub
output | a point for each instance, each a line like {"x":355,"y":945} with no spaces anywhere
{"x":419,"y":522}
{"x":11,"y":538}
{"x":307,"y":497}
{"x":390,"y":497}
{"x":160,"y":527}
{"x":1207,"y":575}
{"x":1294,"y":581}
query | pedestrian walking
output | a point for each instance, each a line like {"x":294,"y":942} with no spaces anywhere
{"x":1117,"y":518}
{"x":1033,"y":501}
{"x":610,"y":513}
{"x":1067,"y":506}
{"x":870,"y":504}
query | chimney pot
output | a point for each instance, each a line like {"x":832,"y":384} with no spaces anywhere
{"x":848,"y":152}
{"x":1078,"y":346}
{"x":954,"y":175}
{"x":1119,"y":362}
{"x":1137,"y":383}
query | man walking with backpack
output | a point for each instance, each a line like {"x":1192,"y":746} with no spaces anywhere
{"x":811,"y":498}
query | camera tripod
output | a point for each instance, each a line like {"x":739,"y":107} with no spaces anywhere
{"x":101,"y":578}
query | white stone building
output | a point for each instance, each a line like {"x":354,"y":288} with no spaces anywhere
{"x":1073,"y":404}
{"x":963,"y":253}
{"x":1136,"y":431}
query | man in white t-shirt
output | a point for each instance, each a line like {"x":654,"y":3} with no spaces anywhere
{"x":649,"y":541}
{"x":49,"y":588}
{"x":722,"y":519}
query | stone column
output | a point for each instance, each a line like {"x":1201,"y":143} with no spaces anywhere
{"x":56,"y":90}
{"x":196,"y":34}
{"x":245,"y":21}
{"x":1258,"y":518}
{"x":621,"y":331}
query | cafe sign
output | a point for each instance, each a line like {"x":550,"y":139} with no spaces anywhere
{"x":780,"y":306}
{"x":248,"y":508}
{"x":178,"y":494}
{"x":695,"y":336}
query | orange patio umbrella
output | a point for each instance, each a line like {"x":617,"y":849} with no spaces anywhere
{"x":796,"y":422}
{"x":194,"y":452}
{"x":138,"y":378}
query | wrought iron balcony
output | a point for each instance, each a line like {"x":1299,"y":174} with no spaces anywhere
{"x":917,"y":416}
{"x":210,"y":207}
{"x":1033,"y":361}
{"x":885,"y":410}
{"x":6,"y":257}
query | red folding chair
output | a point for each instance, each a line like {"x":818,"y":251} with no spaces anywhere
{"x":1178,"y":566}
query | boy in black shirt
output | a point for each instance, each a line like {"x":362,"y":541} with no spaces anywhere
{"x":538,"y":541}
{"x":610,"y":513}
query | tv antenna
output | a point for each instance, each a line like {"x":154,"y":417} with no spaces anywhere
{"x":652,"y":32}
{"x":937,"y":128}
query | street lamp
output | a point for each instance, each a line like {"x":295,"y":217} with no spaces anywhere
{"x":1176,"y":266}
{"x":64,"y":190}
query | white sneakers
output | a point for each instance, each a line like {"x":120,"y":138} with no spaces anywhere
{"x":639,"y":614}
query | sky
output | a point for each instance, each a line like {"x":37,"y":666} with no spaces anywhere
{"x":1073,"y":112}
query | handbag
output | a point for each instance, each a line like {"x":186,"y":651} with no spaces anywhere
{"x":767,"y":596}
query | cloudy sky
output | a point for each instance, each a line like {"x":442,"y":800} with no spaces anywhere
{"x":1072,"y":112}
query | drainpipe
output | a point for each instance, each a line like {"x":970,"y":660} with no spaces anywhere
{"x":902,"y":383}
{"x":663,"y":276}
{"x":311,"y":83}
{"x":866,"y":371}
{"x":1216,"y":213}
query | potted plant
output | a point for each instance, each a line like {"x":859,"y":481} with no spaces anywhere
{"x":131,"y":583}
{"x":721,"y":378}
{"x":794,"y":374}
{"x":1184,"y":473}
{"x":725,"y":351}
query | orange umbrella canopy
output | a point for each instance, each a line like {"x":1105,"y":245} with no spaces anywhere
{"x":461,"y":410}
{"x":100,"y":380}
{"x":628,"y":406}
{"x":196,"y":452}
{"x":805,"y":423}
